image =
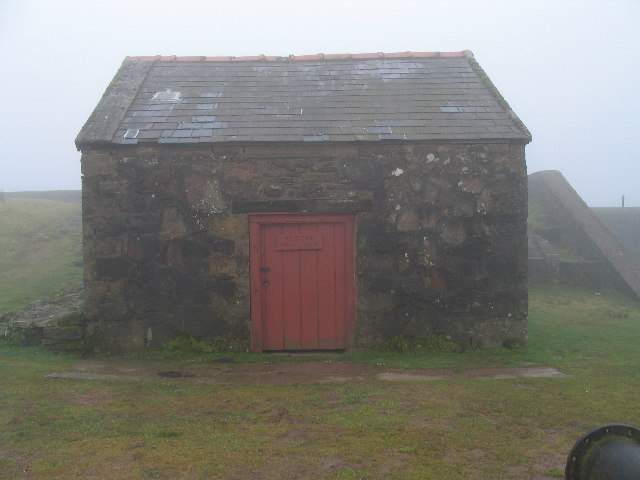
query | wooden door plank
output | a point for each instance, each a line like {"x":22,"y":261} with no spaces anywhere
{"x":272,"y":290}
{"x":327,"y":334}
{"x":309,"y":292}
{"x":292,"y":291}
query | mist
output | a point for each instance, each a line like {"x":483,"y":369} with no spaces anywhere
{"x":567,"y":68}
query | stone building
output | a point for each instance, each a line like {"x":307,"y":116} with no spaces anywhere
{"x":304,"y":202}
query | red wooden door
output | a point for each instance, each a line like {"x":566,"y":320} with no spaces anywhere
{"x":301,"y":281}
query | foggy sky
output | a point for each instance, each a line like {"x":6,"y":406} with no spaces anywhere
{"x":569,"y":69}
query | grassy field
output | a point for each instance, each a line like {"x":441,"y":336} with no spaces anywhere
{"x":458,"y":428}
{"x":40,"y":250}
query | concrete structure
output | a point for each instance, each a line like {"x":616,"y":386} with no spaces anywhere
{"x":315,"y":202}
{"x":577,"y":227}
{"x":624,"y":223}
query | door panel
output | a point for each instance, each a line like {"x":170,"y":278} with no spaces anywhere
{"x":271,"y":279}
{"x":302,"y":281}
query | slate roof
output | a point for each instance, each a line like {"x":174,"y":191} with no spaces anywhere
{"x":398,"y":97}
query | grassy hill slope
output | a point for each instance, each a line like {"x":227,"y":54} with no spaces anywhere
{"x":40,"y":249}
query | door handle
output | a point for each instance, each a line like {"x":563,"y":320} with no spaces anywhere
{"x":266,"y":282}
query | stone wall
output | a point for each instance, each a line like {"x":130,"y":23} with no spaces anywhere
{"x":440,"y":236}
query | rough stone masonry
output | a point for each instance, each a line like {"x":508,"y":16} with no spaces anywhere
{"x":441,"y":236}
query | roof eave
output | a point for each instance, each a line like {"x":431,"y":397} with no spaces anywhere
{"x":516,"y":139}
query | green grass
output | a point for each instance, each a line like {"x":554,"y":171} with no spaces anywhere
{"x":40,"y":250}
{"x":458,"y":428}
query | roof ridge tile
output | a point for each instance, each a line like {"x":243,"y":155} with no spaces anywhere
{"x":300,"y":58}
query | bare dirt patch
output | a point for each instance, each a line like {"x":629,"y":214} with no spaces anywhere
{"x":279,"y":372}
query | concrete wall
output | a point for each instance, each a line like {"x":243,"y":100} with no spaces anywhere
{"x":440,"y":236}
{"x":624,"y":223}
{"x":582,"y":231}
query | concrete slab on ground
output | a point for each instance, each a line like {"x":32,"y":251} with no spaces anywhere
{"x":282,"y":372}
